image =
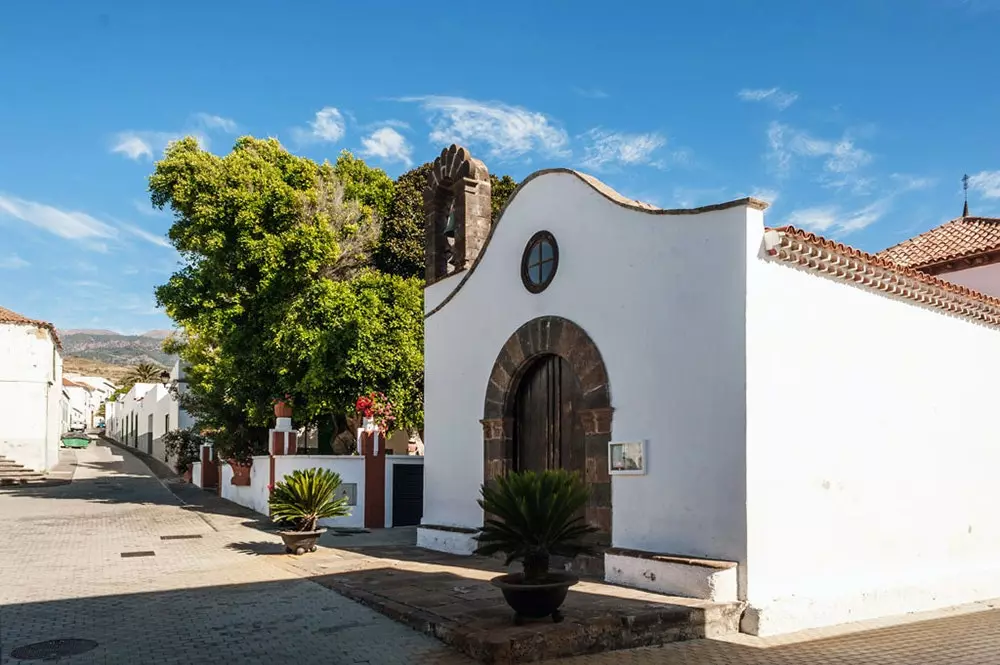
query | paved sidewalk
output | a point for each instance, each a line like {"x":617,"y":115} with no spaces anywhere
{"x":195,"y":601}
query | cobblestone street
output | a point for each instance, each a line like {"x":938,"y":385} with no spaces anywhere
{"x":208,"y":597}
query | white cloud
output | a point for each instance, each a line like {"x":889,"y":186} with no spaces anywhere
{"x":13,"y":262}
{"x":591,"y":93}
{"x":67,"y":224}
{"x":387,"y":144}
{"x":986,"y":183}
{"x":776,"y":97}
{"x":616,"y":147}
{"x":209,"y":121}
{"x":147,"y":236}
{"x":840,"y":156}
{"x":138,"y":145}
{"x":507,"y":131}
{"x":908,"y":182}
{"x":146,"y":208}
{"x":839,"y":221}
{"x":765,"y":194}
{"x":328,"y":126}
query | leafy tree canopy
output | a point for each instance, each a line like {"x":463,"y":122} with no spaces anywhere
{"x":276,"y":293}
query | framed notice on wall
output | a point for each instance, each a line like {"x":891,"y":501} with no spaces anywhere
{"x":627,"y":458}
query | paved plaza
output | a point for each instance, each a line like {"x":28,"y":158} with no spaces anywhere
{"x":206,"y":595}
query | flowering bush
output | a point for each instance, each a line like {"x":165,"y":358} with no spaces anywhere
{"x":286,"y":398}
{"x":375,"y":406}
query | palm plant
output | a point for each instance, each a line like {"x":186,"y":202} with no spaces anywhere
{"x":532,"y":516}
{"x":305,"y":497}
{"x":144,"y":373}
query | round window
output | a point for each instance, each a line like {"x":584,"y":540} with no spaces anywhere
{"x":539,"y":263}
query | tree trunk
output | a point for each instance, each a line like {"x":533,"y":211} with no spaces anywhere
{"x":536,"y":567}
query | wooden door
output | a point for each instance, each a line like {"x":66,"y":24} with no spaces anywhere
{"x":547,"y":431}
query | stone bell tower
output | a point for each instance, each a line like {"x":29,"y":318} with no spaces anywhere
{"x":457,"y":212}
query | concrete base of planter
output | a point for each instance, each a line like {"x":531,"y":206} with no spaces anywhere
{"x":672,"y":575}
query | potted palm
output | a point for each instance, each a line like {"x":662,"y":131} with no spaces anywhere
{"x":530,"y":518}
{"x":300,"y":501}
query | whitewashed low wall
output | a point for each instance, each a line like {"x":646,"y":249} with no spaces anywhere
{"x":391,"y":461}
{"x":253,"y":496}
{"x":442,"y":540}
{"x":196,"y":473}
{"x":351,"y":469}
{"x":673,"y":576}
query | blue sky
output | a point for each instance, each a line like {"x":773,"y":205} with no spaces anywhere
{"x":856,"y":118}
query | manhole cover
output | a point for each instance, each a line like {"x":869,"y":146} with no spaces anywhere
{"x":53,"y":649}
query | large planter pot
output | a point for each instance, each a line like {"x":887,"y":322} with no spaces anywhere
{"x":282,"y":410}
{"x":187,"y":475}
{"x":535,"y":601}
{"x":300,"y":542}
{"x":241,"y":473}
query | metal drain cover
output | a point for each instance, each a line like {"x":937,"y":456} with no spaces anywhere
{"x":187,"y":537}
{"x":128,"y":555}
{"x":53,"y":649}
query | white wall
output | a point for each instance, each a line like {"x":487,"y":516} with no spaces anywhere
{"x":391,"y":461}
{"x":351,"y":469}
{"x":985,"y":279}
{"x":30,"y":392}
{"x":662,"y":296}
{"x":872,"y":453}
{"x":144,"y":400}
{"x":253,"y":496}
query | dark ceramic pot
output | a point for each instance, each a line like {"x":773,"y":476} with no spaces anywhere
{"x":300,"y":542}
{"x":535,"y":601}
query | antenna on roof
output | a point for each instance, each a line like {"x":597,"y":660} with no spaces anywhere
{"x":965,"y":187}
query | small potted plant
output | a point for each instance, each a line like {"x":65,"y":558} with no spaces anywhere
{"x":238,"y":448}
{"x":376,"y":410}
{"x":531,"y":517}
{"x":282,"y":406}
{"x":300,"y":501}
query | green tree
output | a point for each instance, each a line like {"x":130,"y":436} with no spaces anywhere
{"x":277,"y":280}
{"x":400,"y":250}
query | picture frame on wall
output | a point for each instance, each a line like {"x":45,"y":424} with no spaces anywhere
{"x":627,"y":458}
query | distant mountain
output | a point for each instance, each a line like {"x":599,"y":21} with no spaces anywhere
{"x":112,"y":348}
{"x":158,"y":334}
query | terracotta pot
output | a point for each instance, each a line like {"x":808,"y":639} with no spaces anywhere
{"x":187,"y":475}
{"x":300,"y":542}
{"x":535,"y":601}
{"x":282,"y":410}
{"x":241,"y":473}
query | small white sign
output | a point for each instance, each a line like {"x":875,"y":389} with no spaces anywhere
{"x":627,"y":458}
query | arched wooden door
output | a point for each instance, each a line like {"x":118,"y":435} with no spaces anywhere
{"x":548,"y":433}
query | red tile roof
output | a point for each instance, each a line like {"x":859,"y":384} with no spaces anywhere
{"x":8,"y":316}
{"x":847,"y":264}
{"x":964,"y":237}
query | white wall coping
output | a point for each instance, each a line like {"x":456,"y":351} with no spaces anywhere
{"x":673,"y":575}
{"x":452,"y":540}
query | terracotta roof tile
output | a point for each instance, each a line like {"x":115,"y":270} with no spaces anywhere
{"x":963,"y":237}
{"x":9,"y":316}
{"x":845,"y":263}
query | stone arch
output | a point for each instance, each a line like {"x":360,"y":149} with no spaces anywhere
{"x":557,"y":336}
{"x":455,"y":177}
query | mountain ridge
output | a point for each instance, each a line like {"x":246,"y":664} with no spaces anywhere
{"x":116,"y":349}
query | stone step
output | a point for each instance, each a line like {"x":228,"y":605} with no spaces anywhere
{"x":7,"y":482}
{"x":20,"y":473}
{"x":7,"y":464}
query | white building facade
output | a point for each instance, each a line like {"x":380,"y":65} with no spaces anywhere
{"x":31,"y":412}
{"x":794,"y":449}
{"x":141,"y":417}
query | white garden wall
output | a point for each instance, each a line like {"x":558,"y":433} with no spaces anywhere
{"x":662,"y":296}
{"x":871,"y":453}
{"x":253,"y":496}
{"x":351,"y":469}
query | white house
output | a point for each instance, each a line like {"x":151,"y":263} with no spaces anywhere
{"x":794,"y":437}
{"x":141,"y":417}
{"x":99,"y":390}
{"x":82,"y":403}
{"x":30,"y":391}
